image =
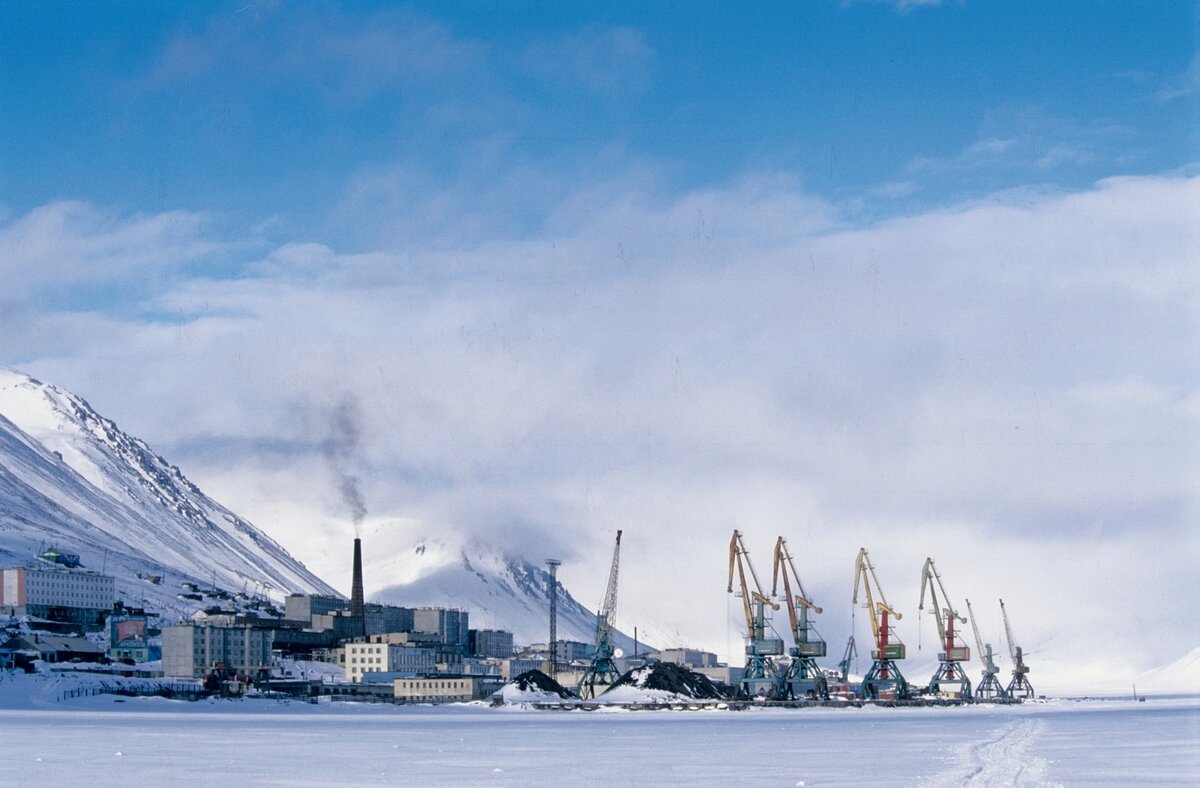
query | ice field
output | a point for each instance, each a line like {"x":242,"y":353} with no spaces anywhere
{"x":110,"y":741}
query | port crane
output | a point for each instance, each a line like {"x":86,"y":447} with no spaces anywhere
{"x":949,"y":670}
{"x":803,"y":678}
{"x":884,"y":677}
{"x":989,"y":687}
{"x":602,"y":671}
{"x":1018,"y":686}
{"x":847,"y":657}
{"x":761,"y":678}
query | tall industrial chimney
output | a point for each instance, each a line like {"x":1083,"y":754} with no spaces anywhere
{"x":553,"y":564}
{"x":356,"y":586}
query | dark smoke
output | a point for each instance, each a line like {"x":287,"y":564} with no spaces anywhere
{"x":339,"y":448}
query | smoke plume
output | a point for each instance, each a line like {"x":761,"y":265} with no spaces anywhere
{"x":339,"y":447}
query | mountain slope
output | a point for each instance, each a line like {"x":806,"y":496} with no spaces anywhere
{"x":500,"y":592}
{"x":72,"y":479}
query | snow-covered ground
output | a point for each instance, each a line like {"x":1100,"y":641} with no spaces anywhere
{"x":109,"y":740}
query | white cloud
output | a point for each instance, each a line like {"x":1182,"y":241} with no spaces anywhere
{"x":1008,"y":385}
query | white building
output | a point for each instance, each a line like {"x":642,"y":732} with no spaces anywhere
{"x":58,"y":594}
{"x":381,"y":654}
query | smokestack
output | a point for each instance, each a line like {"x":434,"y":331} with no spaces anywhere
{"x":356,"y":585}
{"x":553,"y":564}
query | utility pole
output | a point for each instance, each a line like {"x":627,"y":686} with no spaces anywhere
{"x":553,"y":564}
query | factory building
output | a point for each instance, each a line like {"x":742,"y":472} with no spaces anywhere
{"x":196,"y":651}
{"x":451,"y":626}
{"x":381,"y":619}
{"x":387,"y":654}
{"x":688,"y":657}
{"x":490,"y":643}
{"x":302,"y":607}
{"x":571,"y":650}
{"x":82,"y":598}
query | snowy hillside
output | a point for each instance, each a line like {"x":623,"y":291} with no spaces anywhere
{"x":509,"y":594}
{"x":71,"y":479}
{"x":500,"y":592}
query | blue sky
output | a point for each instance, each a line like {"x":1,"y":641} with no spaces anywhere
{"x":253,"y":111}
{"x":922,"y":277}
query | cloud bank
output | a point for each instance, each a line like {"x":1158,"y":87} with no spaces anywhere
{"x":1008,"y":385}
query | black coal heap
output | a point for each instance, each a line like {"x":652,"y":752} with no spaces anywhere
{"x":537,"y":681}
{"x":672,"y":678}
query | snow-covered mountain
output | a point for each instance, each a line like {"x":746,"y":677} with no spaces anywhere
{"x":499,"y":593}
{"x":69,"y":478}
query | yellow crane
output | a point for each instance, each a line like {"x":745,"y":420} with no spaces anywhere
{"x":884,"y":678}
{"x":949,"y":671}
{"x":803,"y":677}
{"x":761,"y":677}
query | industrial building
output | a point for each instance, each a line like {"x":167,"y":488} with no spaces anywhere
{"x":496,"y":643}
{"x":688,"y":657}
{"x":76,"y":597}
{"x":191,"y":651}
{"x":451,"y":626}
{"x":302,"y":607}
{"x":387,"y":654}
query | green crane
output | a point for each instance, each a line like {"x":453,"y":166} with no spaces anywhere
{"x":602,"y":671}
{"x":760,"y":679}
{"x":803,"y":678}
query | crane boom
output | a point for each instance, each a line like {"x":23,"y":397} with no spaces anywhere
{"x":607,"y":618}
{"x":797,"y":602}
{"x":1008,"y":636}
{"x":975,"y":628}
{"x":864,"y":575}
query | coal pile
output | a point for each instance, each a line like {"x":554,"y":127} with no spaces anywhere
{"x":537,"y":681}
{"x":669,"y":677}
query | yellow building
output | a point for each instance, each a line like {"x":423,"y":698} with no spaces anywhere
{"x":437,"y":689}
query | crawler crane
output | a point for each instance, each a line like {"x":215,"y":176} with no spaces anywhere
{"x":989,"y":687}
{"x":1018,"y":686}
{"x":884,"y":678}
{"x":760,"y":679}
{"x":803,"y":678}
{"x":949,"y":671}
{"x":603,"y":671}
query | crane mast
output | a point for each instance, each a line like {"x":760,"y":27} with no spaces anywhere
{"x":803,"y":677}
{"x":949,"y":671}
{"x":1019,"y":685}
{"x":760,"y":678}
{"x":602,"y":671}
{"x":884,"y":677}
{"x":989,"y":687}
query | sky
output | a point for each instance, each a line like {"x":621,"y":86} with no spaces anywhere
{"x":918,"y":276}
